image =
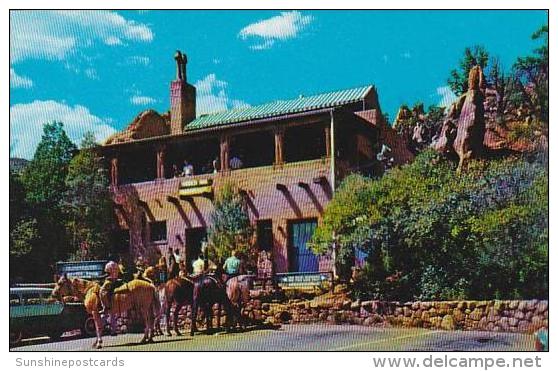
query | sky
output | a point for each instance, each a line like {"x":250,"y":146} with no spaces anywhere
{"x":96,"y":70}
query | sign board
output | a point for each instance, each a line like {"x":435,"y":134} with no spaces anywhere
{"x":93,"y":269}
{"x":195,"y":187}
{"x":303,"y":279}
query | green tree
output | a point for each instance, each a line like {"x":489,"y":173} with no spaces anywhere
{"x":531,"y":75}
{"x":23,"y":237}
{"x":458,"y":80}
{"x":87,"y":204}
{"x":44,"y":183}
{"x":44,"y":177}
{"x":17,"y":199}
{"x":231,"y":228}
{"x":23,"y":228}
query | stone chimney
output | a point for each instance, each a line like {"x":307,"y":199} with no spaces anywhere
{"x":183,"y":97}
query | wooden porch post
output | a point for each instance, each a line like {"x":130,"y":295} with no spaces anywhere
{"x":279,"y":139}
{"x":114,"y":171}
{"x":327,"y":134}
{"x":161,"y":162}
{"x":224,"y":155}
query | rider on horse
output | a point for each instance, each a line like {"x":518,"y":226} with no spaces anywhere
{"x":231,"y":266}
{"x":112,"y":281}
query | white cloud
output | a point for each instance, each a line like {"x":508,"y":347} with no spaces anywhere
{"x":211,"y":96}
{"x":113,"y":40}
{"x":138,"y":59}
{"x":267,"y":44}
{"x":17,"y":81}
{"x":54,"y":35}
{"x":27,"y":120}
{"x":447,"y":96}
{"x":285,"y":26}
{"x":142,"y":100}
{"x":91,"y":73}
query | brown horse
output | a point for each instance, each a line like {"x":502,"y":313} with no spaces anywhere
{"x":137,"y":294}
{"x":209,"y":290}
{"x":177,"y":291}
{"x":238,"y":291}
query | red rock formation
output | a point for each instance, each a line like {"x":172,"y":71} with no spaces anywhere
{"x":474,"y":125}
{"x":445,"y":141}
{"x":147,"y":124}
{"x":470,"y":128}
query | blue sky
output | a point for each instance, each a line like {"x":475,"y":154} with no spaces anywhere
{"x":97,"y":70}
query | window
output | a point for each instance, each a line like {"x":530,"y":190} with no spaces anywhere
{"x":158,"y":231}
{"x":265,"y":235}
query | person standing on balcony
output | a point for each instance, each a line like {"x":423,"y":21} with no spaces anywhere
{"x":188,"y":169}
{"x":215,"y":165}
{"x":235,"y":163}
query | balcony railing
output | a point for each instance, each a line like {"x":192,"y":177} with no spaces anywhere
{"x":234,"y":173}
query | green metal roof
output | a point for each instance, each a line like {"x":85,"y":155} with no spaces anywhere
{"x":281,"y":107}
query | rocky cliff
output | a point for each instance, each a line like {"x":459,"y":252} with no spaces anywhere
{"x":147,"y":124}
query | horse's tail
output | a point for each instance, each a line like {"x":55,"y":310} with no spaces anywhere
{"x":156,"y":303}
{"x":230,"y":308}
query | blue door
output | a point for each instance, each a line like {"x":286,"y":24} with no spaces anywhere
{"x":302,"y":258}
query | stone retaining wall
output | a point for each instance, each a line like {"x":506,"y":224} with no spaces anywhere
{"x":525,"y":316}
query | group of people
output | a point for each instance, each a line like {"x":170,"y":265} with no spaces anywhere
{"x":212,"y":167}
{"x":166,"y":269}
{"x":188,"y":169}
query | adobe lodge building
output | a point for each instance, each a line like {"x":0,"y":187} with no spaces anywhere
{"x":293,"y":154}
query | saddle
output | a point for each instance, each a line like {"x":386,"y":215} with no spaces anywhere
{"x":118,"y":284}
{"x":142,"y":278}
{"x":214,"y":278}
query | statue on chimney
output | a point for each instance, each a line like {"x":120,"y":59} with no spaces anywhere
{"x":181,"y":61}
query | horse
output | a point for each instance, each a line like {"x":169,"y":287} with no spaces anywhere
{"x":138,"y":294}
{"x":238,"y":292}
{"x":209,"y":290}
{"x":179,"y":291}
{"x":150,"y":275}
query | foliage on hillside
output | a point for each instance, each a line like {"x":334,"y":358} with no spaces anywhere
{"x":433,"y":234}
{"x":59,"y":207}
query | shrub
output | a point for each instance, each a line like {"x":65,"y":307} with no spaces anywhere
{"x":479,"y":234}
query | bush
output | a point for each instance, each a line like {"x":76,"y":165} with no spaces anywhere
{"x":478,"y":234}
{"x":230,"y":228}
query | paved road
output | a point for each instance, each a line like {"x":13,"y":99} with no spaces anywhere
{"x":305,"y":338}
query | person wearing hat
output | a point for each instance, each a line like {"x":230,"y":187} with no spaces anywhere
{"x":112,"y":270}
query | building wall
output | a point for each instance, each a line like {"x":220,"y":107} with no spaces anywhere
{"x":138,"y":204}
